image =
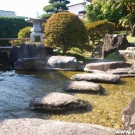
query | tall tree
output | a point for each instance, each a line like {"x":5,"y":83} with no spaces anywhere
{"x":123,"y":10}
{"x":54,"y":7}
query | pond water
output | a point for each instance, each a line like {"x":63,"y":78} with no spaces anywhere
{"x":18,"y":88}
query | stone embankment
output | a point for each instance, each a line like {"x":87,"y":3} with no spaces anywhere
{"x":47,"y":127}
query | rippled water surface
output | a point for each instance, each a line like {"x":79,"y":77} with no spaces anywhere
{"x":18,"y":88}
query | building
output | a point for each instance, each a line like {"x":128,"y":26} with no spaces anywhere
{"x":79,"y":8}
{"x":10,"y":14}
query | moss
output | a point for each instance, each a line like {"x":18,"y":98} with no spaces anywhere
{"x":113,"y":56}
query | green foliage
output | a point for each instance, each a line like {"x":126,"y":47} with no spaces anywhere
{"x":9,"y":28}
{"x":23,"y":33}
{"x":92,"y":13}
{"x":56,"y":6}
{"x":48,"y":8}
{"x":65,"y":30}
{"x":113,"y":56}
{"x":46,"y":16}
{"x":123,"y":10}
{"x":97,"y":30}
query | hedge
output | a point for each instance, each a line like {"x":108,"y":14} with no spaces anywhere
{"x":9,"y":28}
{"x":97,"y":30}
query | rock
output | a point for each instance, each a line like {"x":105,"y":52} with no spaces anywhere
{"x":123,"y":72}
{"x":114,"y":42}
{"x":80,"y":65}
{"x":29,"y":64}
{"x":130,"y":48}
{"x":128,"y":55}
{"x":128,"y":116}
{"x":14,"y":53}
{"x":56,"y":101}
{"x":35,"y":49}
{"x":61,"y":63}
{"x":97,"y":78}
{"x":97,"y":52}
{"x":83,"y":86}
{"x":35,"y":126}
{"x":104,"y":66}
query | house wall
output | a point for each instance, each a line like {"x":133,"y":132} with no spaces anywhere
{"x":76,"y":8}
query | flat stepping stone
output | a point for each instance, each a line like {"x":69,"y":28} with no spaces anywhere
{"x":83,"y":86}
{"x":56,"y":101}
{"x":108,"y":78}
{"x":104,"y":66}
{"x":123,"y":72}
{"x":34,"y":126}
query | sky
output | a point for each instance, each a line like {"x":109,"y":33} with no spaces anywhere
{"x":28,"y":8}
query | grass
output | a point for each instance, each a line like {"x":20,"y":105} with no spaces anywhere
{"x":86,"y":55}
{"x":130,"y":39}
{"x":113,"y":56}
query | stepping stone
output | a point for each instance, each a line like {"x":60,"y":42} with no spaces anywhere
{"x":83,"y":86}
{"x":104,"y":66}
{"x":123,"y":72}
{"x":56,"y":101}
{"x":107,"y":78}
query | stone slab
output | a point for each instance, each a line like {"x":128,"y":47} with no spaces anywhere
{"x":35,"y":126}
{"x":83,"y":86}
{"x":97,"y":78}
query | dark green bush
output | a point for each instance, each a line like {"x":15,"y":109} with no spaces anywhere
{"x":65,"y":30}
{"x":97,"y":30}
{"x":9,"y":28}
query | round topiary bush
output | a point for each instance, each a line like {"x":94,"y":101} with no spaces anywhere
{"x":65,"y":30}
{"x":23,"y":33}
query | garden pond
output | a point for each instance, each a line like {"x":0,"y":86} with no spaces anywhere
{"x":18,"y":88}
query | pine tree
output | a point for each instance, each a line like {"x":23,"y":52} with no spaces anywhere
{"x":54,"y":7}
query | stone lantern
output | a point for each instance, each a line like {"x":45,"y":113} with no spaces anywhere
{"x":37,"y":28}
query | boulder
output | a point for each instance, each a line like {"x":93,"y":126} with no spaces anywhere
{"x":97,"y":78}
{"x":35,"y":49}
{"x":56,"y":101}
{"x":104,"y":66}
{"x":114,"y":42}
{"x":128,"y":116}
{"x":61,"y":63}
{"x":29,"y":64}
{"x":34,"y":126}
{"x":14,"y":53}
{"x":128,"y":55}
{"x":83,"y":86}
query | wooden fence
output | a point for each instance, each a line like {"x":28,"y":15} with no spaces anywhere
{"x":12,"y":39}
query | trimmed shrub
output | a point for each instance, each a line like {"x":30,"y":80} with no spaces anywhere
{"x":23,"y":33}
{"x":97,"y":30}
{"x":65,"y":30}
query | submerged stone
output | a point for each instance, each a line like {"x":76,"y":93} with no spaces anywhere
{"x":83,"y":86}
{"x":56,"y":101}
{"x":108,"y":78}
